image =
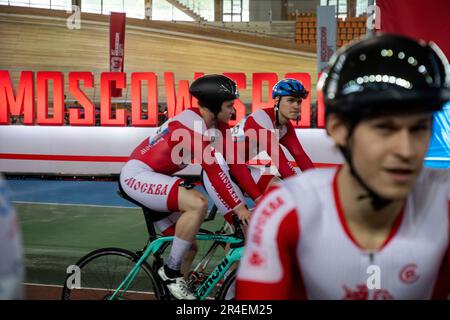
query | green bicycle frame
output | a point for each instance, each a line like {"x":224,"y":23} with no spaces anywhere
{"x":232,"y":256}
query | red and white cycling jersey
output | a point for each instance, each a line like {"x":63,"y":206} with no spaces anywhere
{"x":299,"y":245}
{"x":248,"y":145}
{"x":187,"y":133}
{"x":262,"y":122}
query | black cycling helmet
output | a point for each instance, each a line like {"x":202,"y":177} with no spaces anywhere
{"x":212,"y":90}
{"x":384,"y":74}
{"x":386,"y":71}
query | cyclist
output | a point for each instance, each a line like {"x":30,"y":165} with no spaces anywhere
{"x":266,"y":130}
{"x":11,"y":261}
{"x":378,"y":226}
{"x":147,"y":176}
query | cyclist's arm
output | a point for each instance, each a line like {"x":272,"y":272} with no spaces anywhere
{"x":291,"y":142}
{"x":269,"y":141}
{"x":204,"y":153}
{"x":245,"y":180}
{"x":269,"y":268}
{"x":234,"y":154}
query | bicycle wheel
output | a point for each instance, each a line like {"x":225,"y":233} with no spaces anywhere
{"x":102,"y":271}
{"x":227,"y":292}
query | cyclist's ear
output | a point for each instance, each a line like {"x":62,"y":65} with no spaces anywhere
{"x":275,"y":100}
{"x":337,"y":129}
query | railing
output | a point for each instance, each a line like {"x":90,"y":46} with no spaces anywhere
{"x":35,"y":4}
{"x":191,"y":4}
{"x":196,"y":7}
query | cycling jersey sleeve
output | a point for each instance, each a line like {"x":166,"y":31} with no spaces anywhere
{"x":245,"y":180}
{"x":268,"y":141}
{"x":291,"y":142}
{"x":234,"y":153}
{"x":269,"y":267}
{"x":205,"y":154}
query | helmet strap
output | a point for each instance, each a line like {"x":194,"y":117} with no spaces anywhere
{"x":298,"y":117}
{"x":377,"y":201}
{"x":277,"y":107}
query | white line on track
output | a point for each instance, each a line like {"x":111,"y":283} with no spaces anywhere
{"x":74,"y":204}
{"x":84,"y":288}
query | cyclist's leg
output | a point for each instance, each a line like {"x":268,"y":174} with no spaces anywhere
{"x":191,"y":206}
{"x":163,"y":193}
{"x":154,"y":190}
{"x":167,"y":228}
{"x":188,"y":260}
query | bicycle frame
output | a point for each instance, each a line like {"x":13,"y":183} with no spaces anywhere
{"x":232,"y":256}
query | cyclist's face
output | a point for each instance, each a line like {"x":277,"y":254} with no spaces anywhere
{"x":227,"y":111}
{"x":290,"y":107}
{"x":388,"y":152}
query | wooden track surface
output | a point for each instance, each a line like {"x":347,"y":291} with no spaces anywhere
{"x":38,"y":40}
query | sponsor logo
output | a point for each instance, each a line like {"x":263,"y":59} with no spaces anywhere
{"x":149,"y":188}
{"x":408,"y":274}
{"x":265,"y":215}
{"x":361,"y":292}
{"x":204,"y":288}
{"x":229,"y":186}
{"x":256,"y":259}
{"x":146,"y":149}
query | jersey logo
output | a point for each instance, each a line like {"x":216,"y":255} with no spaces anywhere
{"x":267,"y":211}
{"x":149,"y":188}
{"x":361,"y":292}
{"x":256,"y":259}
{"x":408,"y":274}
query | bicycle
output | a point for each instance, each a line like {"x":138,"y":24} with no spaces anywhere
{"x":132,"y":277}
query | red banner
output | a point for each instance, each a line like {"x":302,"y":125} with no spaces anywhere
{"x":116,"y":47}
{"x":427,"y":20}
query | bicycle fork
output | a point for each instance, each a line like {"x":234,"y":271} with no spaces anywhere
{"x":126,"y":283}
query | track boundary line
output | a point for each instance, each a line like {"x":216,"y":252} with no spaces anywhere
{"x":73,"y":204}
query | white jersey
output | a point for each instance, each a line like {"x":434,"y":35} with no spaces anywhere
{"x":299,"y":246}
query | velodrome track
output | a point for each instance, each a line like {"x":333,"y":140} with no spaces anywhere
{"x":64,"y":220}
